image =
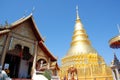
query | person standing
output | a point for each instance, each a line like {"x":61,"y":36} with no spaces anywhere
{"x":3,"y":75}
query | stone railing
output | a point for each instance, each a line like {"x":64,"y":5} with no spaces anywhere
{"x":55,"y":78}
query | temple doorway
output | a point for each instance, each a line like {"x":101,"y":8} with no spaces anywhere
{"x":19,"y":62}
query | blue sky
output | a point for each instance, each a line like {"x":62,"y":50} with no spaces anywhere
{"x":56,"y":19}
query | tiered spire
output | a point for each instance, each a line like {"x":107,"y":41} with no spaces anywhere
{"x":80,"y":42}
{"x":77,"y":13}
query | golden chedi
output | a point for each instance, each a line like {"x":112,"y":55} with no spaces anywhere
{"x":82,"y":62}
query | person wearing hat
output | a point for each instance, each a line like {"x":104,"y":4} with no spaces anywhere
{"x":3,"y":75}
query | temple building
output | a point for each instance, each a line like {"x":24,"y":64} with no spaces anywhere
{"x":82,"y":61}
{"x":23,"y":51}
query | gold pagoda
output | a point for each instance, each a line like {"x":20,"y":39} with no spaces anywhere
{"x":82,"y":61}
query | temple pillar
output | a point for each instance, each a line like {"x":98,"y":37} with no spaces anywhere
{"x":34,"y":60}
{"x":48,"y":66}
{"x":5,"y":48}
{"x":41,"y":63}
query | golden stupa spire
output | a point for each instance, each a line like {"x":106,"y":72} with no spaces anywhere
{"x":77,"y":13}
{"x":82,"y":62}
{"x":80,"y":42}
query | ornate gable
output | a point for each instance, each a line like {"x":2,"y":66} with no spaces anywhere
{"x":25,"y":30}
{"x":41,"y":54}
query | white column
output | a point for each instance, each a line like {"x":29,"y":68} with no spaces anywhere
{"x":113,"y":75}
{"x":34,"y":60}
{"x":41,"y":63}
{"x":117,"y":73}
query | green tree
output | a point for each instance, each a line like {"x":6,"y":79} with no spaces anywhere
{"x":48,"y":74}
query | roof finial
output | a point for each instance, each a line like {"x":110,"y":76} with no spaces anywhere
{"x":6,"y":24}
{"x":33,"y":10}
{"x":44,"y":38}
{"x":77,"y":12}
{"x":118,"y":28}
{"x":25,"y":12}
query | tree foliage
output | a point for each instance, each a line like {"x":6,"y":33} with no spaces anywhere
{"x":48,"y":74}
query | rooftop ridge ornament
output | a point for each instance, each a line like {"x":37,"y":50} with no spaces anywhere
{"x":6,"y":24}
{"x":118,"y":28}
{"x":44,"y":38}
{"x":77,"y":14}
{"x":1,"y":25}
{"x":33,"y":9}
{"x":24,"y":13}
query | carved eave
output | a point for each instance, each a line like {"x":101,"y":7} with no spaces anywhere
{"x":32,"y":22}
{"x":55,"y":65}
{"x":2,"y":32}
{"x":115,"y":42}
{"x":44,"y":48}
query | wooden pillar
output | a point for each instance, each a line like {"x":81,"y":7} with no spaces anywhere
{"x":34,"y":60}
{"x":48,"y":63}
{"x":5,"y":48}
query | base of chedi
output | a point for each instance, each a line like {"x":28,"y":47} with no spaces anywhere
{"x":82,"y":61}
{"x":85,"y":67}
